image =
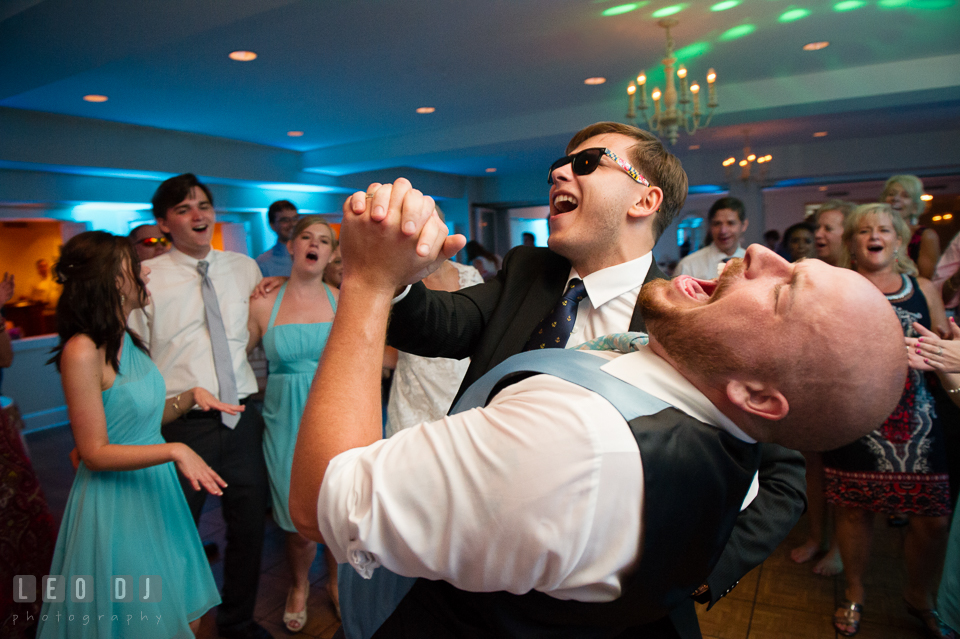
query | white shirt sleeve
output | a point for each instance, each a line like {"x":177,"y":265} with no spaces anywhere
{"x":541,"y":490}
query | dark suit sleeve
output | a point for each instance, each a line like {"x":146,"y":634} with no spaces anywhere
{"x":764,"y":523}
{"x":443,"y":324}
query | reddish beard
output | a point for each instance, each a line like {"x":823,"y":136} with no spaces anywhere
{"x":686,"y":333}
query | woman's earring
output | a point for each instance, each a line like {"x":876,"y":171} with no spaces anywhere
{"x":123,"y":299}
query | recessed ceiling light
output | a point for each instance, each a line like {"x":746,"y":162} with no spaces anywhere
{"x":926,"y":197}
{"x":491,"y":170}
{"x":596,"y":80}
{"x":948,"y":216}
{"x":693,"y":147}
{"x":820,"y":134}
{"x":93,"y":97}
{"x":295,"y":134}
{"x":426,"y":109}
{"x":823,"y":188}
{"x":243,"y":56}
{"x":816,"y":46}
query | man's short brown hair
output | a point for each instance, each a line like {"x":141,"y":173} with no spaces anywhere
{"x":654,"y":162}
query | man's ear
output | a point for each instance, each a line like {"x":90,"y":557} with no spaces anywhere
{"x":746,"y":223}
{"x":648,"y":204}
{"x":162,"y":224}
{"x":758,"y":398}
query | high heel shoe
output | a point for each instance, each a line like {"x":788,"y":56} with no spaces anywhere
{"x":294,"y":621}
{"x":933,"y":626}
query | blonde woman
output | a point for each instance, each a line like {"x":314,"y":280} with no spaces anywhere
{"x":901,"y":466}
{"x":294,"y":321}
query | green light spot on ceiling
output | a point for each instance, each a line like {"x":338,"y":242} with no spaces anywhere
{"x":692,"y":51}
{"x":669,"y":11}
{"x":932,"y":4}
{"x":793,"y":14}
{"x":893,"y":4}
{"x":737,"y":32}
{"x":849,"y":5}
{"x":623,"y":8}
{"x":723,"y":6}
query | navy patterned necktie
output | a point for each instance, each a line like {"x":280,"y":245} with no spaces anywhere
{"x":554,"y":330}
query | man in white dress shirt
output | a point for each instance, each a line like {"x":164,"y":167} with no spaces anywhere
{"x":542,"y":490}
{"x":175,"y":325}
{"x":727,"y":222}
{"x":607,"y":211}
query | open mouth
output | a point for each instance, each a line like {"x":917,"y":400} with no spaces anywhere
{"x":875,"y":249}
{"x":313,"y":256}
{"x":565,"y":203}
{"x":200,"y":228}
{"x":699,"y":290}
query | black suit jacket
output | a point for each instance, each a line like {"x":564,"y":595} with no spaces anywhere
{"x":492,"y":321}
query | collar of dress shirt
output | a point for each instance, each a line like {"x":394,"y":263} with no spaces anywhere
{"x":720,"y":255}
{"x":185,"y":260}
{"x":613,"y":281}
{"x":647,"y":370}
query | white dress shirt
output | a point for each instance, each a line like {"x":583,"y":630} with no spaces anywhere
{"x":703,"y":264}
{"x":540,"y":490}
{"x":174,"y":323}
{"x":612,"y":295}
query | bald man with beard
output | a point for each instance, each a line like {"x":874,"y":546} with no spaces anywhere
{"x":587,"y":501}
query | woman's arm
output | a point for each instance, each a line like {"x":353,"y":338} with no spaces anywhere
{"x":176,"y":407}
{"x":259,"y":316}
{"x":82,"y":370}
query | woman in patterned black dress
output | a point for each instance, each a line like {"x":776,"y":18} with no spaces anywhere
{"x":901,"y":466}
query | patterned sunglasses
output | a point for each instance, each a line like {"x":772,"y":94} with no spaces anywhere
{"x":586,"y":162}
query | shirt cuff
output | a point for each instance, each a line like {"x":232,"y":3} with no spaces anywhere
{"x":401,"y":295}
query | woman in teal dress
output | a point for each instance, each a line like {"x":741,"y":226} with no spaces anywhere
{"x":126,"y":514}
{"x":294,"y":322}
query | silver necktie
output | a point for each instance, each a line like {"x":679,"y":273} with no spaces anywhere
{"x":222,"y":362}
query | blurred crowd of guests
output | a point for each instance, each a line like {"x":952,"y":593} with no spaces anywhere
{"x":195,"y":313}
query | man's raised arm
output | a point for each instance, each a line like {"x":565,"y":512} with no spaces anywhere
{"x":381,"y":251}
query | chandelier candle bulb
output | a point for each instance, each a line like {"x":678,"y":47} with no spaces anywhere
{"x":631,"y":108}
{"x":673,"y":113}
{"x":711,"y":89}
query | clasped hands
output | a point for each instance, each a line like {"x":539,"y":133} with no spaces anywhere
{"x":931,"y":353}
{"x":391,"y":236}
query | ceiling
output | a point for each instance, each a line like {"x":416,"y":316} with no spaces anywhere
{"x":506,"y":77}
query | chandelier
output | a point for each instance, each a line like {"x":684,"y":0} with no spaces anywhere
{"x":749,"y":158}
{"x":675,"y":109}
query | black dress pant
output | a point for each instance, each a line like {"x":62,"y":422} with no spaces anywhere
{"x":237,"y":456}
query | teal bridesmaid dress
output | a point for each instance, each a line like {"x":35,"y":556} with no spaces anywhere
{"x":293,"y":351}
{"x":133,"y":523}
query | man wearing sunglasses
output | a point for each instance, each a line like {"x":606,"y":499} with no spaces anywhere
{"x":611,"y":198}
{"x":149,"y":241}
